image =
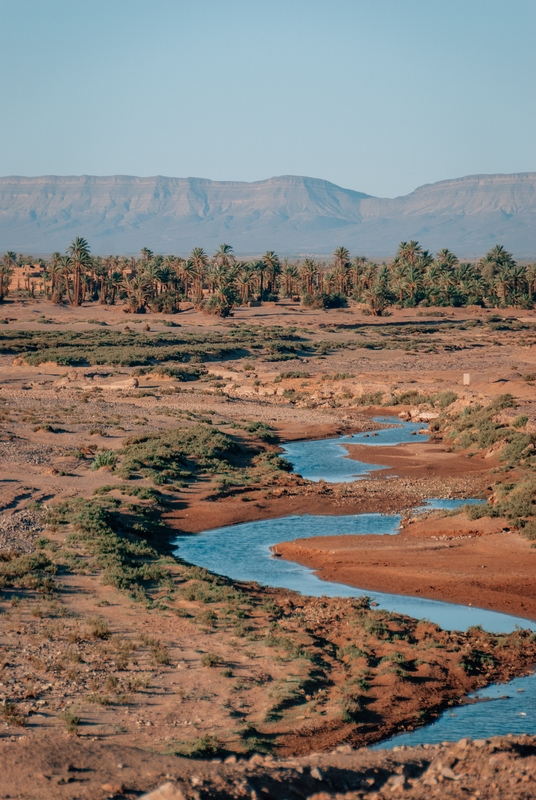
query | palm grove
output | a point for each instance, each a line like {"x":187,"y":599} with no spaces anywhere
{"x":218,"y":283}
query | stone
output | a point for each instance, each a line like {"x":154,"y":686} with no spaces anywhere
{"x":168,"y":791}
{"x":113,"y":788}
{"x":448,"y":773}
{"x":316,"y":774}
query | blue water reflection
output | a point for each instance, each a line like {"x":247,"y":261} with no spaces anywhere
{"x":510,"y":708}
{"x":327,"y":459}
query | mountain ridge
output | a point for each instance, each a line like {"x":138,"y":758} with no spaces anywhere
{"x":288,"y":213}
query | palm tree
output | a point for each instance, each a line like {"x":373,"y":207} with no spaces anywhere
{"x":224,"y":256}
{"x":272,"y":269}
{"x":369,"y":274}
{"x":399,"y":271}
{"x":445,"y":259}
{"x":309,"y":274}
{"x":65,"y":270}
{"x":146,"y":254}
{"x":80,"y":259}
{"x":289,"y":274}
{"x":431,"y":282}
{"x":510,"y":280}
{"x":413,"y":282}
{"x":408,"y":252}
{"x":355,"y":269}
{"x":54,"y":273}
{"x":6,"y":273}
{"x":495,"y":259}
{"x":341,"y":258}
{"x":531,"y":278}
{"x":139,"y":291}
{"x":113,"y":283}
{"x":243,"y":283}
{"x":199,"y":262}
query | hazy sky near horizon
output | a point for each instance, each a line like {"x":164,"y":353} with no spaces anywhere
{"x":375,"y":95}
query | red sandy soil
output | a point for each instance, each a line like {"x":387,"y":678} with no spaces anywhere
{"x":502,"y":768}
{"x":481,"y":562}
{"x":469,"y":564}
{"x":420,"y":460}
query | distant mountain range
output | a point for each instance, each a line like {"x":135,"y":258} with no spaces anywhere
{"x":292,"y":215}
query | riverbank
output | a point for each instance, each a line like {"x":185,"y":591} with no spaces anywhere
{"x":453,"y":559}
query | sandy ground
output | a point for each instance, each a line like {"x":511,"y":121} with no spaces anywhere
{"x":498,"y":768}
{"x":451,"y":559}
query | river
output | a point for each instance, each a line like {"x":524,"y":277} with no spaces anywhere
{"x":242,"y":552}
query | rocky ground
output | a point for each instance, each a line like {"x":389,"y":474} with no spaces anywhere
{"x":88,"y":673}
{"x":502,"y":768}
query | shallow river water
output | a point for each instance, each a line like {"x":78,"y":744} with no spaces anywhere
{"x":242,"y":552}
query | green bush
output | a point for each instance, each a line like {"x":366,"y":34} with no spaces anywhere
{"x":106,"y":458}
{"x":444,"y":399}
{"x":520,"y":421}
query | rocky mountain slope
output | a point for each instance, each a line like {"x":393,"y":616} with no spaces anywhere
{"x":290,"y":214}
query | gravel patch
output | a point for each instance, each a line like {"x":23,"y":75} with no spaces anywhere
{"x":19,"y":529}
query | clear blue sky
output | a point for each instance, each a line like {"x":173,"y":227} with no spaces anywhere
{"x":375,"y":95}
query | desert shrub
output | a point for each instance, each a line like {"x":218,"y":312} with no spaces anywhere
{"x":33,"y":571}
{"x":520,"y":421}
{"x":529,"y":530}
{"x":211,"y":660}
{"x":291,"y":374}
{"x":351,"y":708}
{"x":444,"y":399}
{"x":208,"y":618}
{"x":71,"y":720}
{"x":126,"y":561}
{"x":478,"y":425}
{"x":106,"y":458}
{"x":12,"y":714}
{"x":411,"y":397}
{"x":369,"y":399}
{"x":132,"y":349}
{"x":263,"y":431}
{"x":518,"y":444}
{"x":337,"y":376}
{"x":99,"y":629}
{"x":177,"y":454}
{"x":351,"y":652}
{"x":203,"y":747}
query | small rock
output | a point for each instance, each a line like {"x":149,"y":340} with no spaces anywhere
{"x":448,"y":773}
{"x":168,"y":791}
{"x":480,"y":742}
{"x":316,"y":774}
{"x":113,"y":788}
{"x":230,"y":760}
